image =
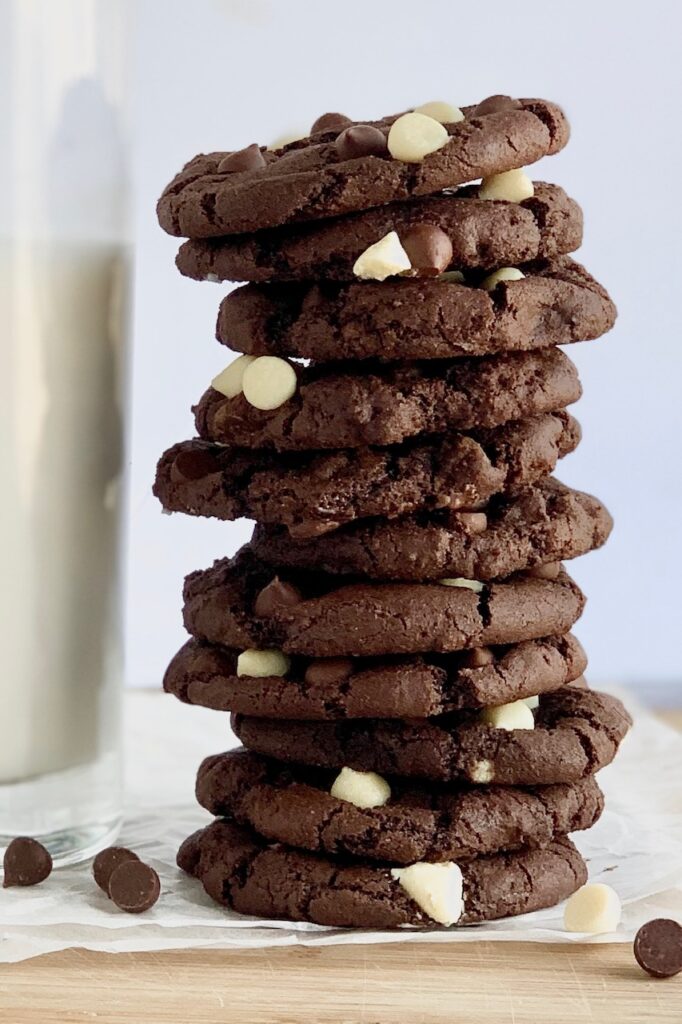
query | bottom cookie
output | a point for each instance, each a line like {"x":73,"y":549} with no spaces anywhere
{"x":244,"y":872}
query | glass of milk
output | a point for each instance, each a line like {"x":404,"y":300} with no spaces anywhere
{"x":64,"y":263}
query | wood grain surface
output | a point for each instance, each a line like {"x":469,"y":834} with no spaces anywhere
{"x":468,"y":983}
{"x":477,"y":983}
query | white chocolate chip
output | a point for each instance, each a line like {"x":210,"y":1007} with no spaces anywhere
{"x":532,"y":702}
{"x":260,"y":664}
{"x":436,"y":888}
{"x":440,"y":111}
{"x":452,"y":277}
{"x":382,"y":259}
{"x":516,"y":715}
{"x":229,"y":382}
{"x":286,"y":139}
{"x":268,"y":382}
{"x":459,"y":581}
{"x":482,"y":772}
{"x":595,"y":908}
{"x":413,"y":136}
{"x":364,"y":789}
{"x":213,"y":278}
{"x":514,"y":186}
{"x":503,"y":274}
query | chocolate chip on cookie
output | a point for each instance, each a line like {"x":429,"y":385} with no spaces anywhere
{"x":315,"y":178}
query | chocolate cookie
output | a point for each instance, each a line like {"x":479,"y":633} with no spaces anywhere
{"x":482,"y":233}
{"x":577,"y":732}
{"x":367,"y":619}
{"x":348,"y":406}
{"x":557,"y":302}
{"x":545,"y":523}
{"x":389,"y":687}
{"x":312,"y":493}
{"x":316,"y":179}
{"x":244,"y":872}
{"x":418,"y":823}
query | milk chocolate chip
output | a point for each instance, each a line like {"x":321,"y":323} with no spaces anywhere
{"x":658,"y":947}
{"x":330,"y":122}
{"x":493,"y":105}
{"x":361,"y":140}
{"x":275,"y":596}
{"x":134,"y":886}
{"x":193,"y":465}
{"x":429,"y":249}
{"x":26,"y":862}
{"x":248,"y":159}
{"x":106,"y":862}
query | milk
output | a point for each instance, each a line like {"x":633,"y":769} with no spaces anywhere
{"x":61,"y":425}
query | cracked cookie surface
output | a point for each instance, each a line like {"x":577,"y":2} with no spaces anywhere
{"x":418,"y":823}
{"x":244,"y":872}
{"x":339,"y":618}
{"x":307,"y":180}
{"x":311,"y":493}
{"x":349,"y":405}
{"x":545,"y":523}
{"x":412,"y":686}
{"x":577,"y":732}
{"x":483,"y":234}
{"x":556,"y":303}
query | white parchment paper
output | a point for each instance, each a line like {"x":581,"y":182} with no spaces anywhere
{"x":636,"y":848}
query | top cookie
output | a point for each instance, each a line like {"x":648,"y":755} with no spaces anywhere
{"x":315,"y":179}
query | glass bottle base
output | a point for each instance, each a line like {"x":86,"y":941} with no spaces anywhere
{"x":74,"y":813}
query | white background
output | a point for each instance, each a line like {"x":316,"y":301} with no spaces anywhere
{"x":212,"y":74}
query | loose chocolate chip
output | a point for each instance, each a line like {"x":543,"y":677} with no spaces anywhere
{"x":193,"y":465}
{"x":478,"y":657}
{"x":361,"y":140}
{"x":328,"y":671}
{"x":429,"y":249}
{"x":26,"y":862}
{"x":275,"y":596}
{"x":475,"y":522}
{"x":106,"y":862}
{"x":330,"y":123}
{"x":134,"y":886}
{"x":550,"y":571}
{"x":493,"y":105}
{"x":658,"y":947}
{"x":248,"y":159}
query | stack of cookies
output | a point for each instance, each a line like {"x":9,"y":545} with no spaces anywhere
{"x":394,"y":642}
